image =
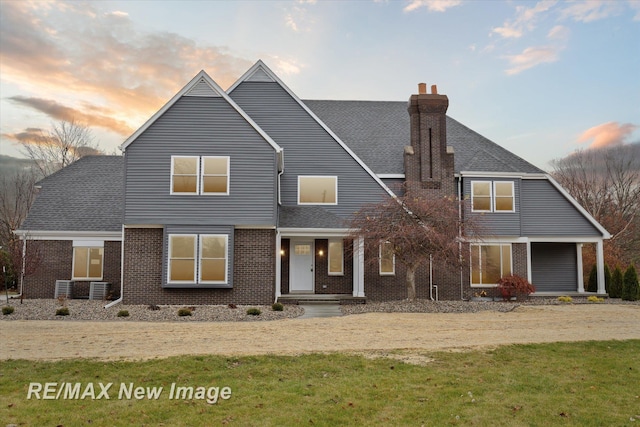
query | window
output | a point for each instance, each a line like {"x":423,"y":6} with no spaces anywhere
{"x":198,"y":259}
{"x":317,"y":190}
{"x":387,"y":259}
{"x":336,"y":258}
{"x":215,"y":175}
{"x":496,"y":196}
{"x":87,"y":263}
{"x":489,"y":263}
{"x":184,"y":175}
{"x":200,"y":175}
{"x":213,"y":259}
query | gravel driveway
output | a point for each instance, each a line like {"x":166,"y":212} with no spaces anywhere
{"x":369,"y":333}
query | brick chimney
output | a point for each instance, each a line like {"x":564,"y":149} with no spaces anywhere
{"x":428,"y":163}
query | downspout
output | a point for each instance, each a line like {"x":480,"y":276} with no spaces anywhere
{"x":119,"y":300}
{"x":460,"y":235}
{"x":278,"y":236}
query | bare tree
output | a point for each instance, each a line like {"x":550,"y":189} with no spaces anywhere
{"x":17,"y":191}
{"x":606,"y":182}
{"x":21,"y":258}
{"x":417,"y":228}
{"x":66,"y":142}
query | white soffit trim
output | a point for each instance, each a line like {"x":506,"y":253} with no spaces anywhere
{"x":522,"y":175}
{"x":69,"y":235}
{"x":313,"y":232}
{"x":261,"y":65}
{"x":583,"y":211}
{"x":391,"y":176}
{"x":198,"y":80}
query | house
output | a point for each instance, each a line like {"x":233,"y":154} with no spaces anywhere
{"x":242,"y":196}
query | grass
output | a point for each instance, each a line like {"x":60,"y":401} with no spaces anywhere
{"x":563,"y":384}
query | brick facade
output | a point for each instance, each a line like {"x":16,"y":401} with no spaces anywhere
{"x":326,"y":284}
{"x":57,"y":264}
{"x":253,"y":271}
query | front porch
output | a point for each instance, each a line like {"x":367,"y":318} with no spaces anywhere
{"x":301,"y":298}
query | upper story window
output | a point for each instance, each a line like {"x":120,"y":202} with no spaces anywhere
{"x":87,"y":262}
{"x":317,"y":190}
{"x":200,"y":175}
{"x":492,"y":196}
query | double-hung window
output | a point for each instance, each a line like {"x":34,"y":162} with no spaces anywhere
{"x":492,"y":196}
{"x":205,"y":175}
{"x":199,"y":259}
{"x":489,"y":263}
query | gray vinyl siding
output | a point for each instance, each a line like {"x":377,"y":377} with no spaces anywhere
{"x":200,"y":126}
{"x":498,"y":223}
{"x":308,"y":148}
{"x":546,"y":212}
{"x":175,"y":229}
{"x":554,"y":267}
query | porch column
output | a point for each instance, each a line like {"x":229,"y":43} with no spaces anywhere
{"x":358,"y":267}
{"x":580,"y":273}
{"x":278,"y":264}
{"x":529,"y":272}
{"x":600,"y":264}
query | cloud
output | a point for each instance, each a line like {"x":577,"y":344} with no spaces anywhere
{"x":98,"y":116}
{"x":607,"y":134}
{"x":533,"y":56}
{"x":285,"y":66}
{"x":592,"y":10}
{"x":525,"y":20}
{"x":85,"y":58}
{"x":432,"y":5}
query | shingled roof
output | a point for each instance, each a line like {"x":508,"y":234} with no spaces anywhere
{"x":85,"y":196}
{"x":378,"y":131}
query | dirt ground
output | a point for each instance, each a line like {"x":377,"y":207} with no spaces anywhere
{"x":365,"y":333}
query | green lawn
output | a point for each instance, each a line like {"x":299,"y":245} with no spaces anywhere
{"x":577,"y":384}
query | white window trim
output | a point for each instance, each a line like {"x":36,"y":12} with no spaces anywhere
{"x":195,"y":253}
{"x":494,"y":197}
{"x":226,"y":260}
{"x":393,"y":262}
{"x":202,"y":175}
{"x":490,"y":196}
{"x":341,"y":272}
{"x":197,"y":176}
{"x":318,"y":176}
{"x":73,"y":262}
{"x":493,"y":285}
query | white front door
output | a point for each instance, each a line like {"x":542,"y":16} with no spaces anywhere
{"x":301,"y":268}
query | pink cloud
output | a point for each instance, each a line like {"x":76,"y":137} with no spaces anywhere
{"x":607,"y":134}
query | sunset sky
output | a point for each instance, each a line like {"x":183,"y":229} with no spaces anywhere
{"x":540,"y":78}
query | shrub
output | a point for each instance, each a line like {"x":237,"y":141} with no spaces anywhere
{"x":615,"y":290}
{"x":607,"y":279}
{"x":630,"y":286}
{"x":514,"y":286}
{"x":594,"y":298}
{"x":592,"y":283}
{"x":184,"y":312}
{"x":123,"y":313}
{"x":253,"y":311}
{"x":277,"y":307}
{"x":64,"y":311}
{"x":7,"y":310}
{"x":565,"y":298}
